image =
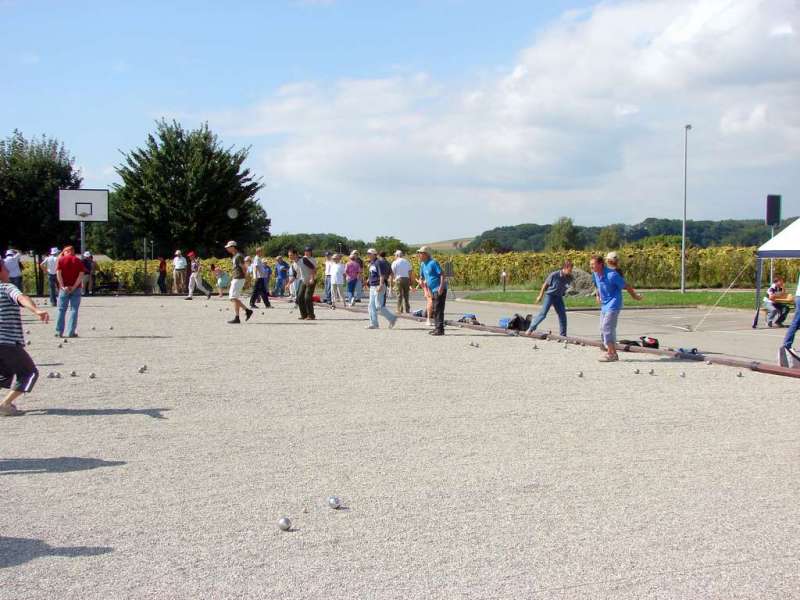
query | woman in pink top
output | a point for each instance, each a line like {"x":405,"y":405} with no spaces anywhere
{"x":352,"y":272}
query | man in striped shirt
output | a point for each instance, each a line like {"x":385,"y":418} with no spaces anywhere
{"x":17,"y":372}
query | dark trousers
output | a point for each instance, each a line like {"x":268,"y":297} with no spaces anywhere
{"x":305,"y":299}
{"x":439,"y":299}
{"x":403,"y":287}
{"x":52,"y":281}
{"x":162,"y":282}
{"x":259,"y":292}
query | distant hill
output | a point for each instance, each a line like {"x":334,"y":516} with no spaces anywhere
{"x":446,"y":245}
{"x":533,"y":237}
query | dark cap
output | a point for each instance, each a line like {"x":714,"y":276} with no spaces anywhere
{"x":308,"y":249}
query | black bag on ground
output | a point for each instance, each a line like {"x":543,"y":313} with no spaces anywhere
{"x":519,"y":323}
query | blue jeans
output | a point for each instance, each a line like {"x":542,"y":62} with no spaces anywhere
{"x":52,"y":280}
{"x":280,"y":283}
{"x":377,"y":304}
{"x":73,"y":299}
{"x":789,"y":339}
{"x":351,"y":289}
{"x":327,"y":296}
{"x":557,"y":302}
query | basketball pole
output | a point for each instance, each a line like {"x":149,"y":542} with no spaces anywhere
{"x":83,"y":237}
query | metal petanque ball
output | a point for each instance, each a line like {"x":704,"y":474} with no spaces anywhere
{"x":580,"y":373}
{"x":284,"y":523}
{"x":111,"y":328}
{"x":27,"y":332}
{"x":683,"y":374}
{"x":92,"y":375}
{"x":94,"y":328}
{"x":636,"y":371}
{"x":334,"y":502}
{"x":652,"y":372}
{"x":28,"y":343}
{"x":58,"y":375}
{"x":73,"y":374}
{"x":740,"y":374}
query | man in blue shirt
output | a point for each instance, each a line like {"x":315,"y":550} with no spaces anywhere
{"x":432,"y":276}
{"x":379,"y":274}
{"x":610,"y":285}
{"x":553,"y":290}
{"x":281,"y":275}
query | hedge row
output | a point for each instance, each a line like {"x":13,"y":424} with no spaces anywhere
{"x":656,"y":267}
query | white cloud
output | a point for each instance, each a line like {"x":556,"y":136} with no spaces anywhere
{"x":587,"y":123}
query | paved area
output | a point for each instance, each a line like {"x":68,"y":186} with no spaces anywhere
{"x":466,"y":472}
{"x":719,"y":331}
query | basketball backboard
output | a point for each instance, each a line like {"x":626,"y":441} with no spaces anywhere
{"x":83,"y":205}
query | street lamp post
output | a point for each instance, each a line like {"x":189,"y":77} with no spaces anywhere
{"x":686,"y":129}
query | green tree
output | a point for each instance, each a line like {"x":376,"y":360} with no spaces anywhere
{"x":184,"y":190}
{"x":389,"y":245}
{"x":609,"y":238}
{"x":563,"y":235}
{"x":31,"y":173}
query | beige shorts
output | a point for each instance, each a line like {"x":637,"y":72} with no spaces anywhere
{"x":237,"y":285}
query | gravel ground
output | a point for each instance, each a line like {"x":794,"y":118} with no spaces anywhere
{"x":466,"y":472}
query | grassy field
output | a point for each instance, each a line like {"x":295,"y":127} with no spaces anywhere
{"x":660,"y":298}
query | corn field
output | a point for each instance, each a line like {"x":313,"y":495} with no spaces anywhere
{"x":644,"y":268}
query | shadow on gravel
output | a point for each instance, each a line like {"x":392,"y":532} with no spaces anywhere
{"x":133,"y":337}
{"x":155,"y":413}
{"x":60,"y":464}
{"x":18,"y":551}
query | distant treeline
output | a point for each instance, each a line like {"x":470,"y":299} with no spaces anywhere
{"x":564,"y":235}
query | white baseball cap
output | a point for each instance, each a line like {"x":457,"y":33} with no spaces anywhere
{"x":424,"y":250}
{"x":231,"y":244}
{"x":54,"y":250}
{"x":87,"y":254}
{"x":398,"y":253}
{"x":612,"y":256}
{"x":372,"y":251}
{"x":10,"y":253}
{"x":177,"y":252}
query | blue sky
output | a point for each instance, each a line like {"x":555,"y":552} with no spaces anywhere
{"x":431,"y":119}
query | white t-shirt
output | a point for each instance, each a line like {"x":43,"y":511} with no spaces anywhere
{"x":329,"y":264}
{"x":51,"y":262}
{"x":401,"y":268}
{"x":337,"y":273}
{"x":12,"y":265}
{"x":179,"y":262}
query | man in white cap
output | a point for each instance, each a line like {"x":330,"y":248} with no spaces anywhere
{"x":237,"y":283}
{"x":432,"y":276}
{"x":401,"y":274}
{"x":13,"y":262}
{"x":88,"y":276}
{"x":179,"y":273}
{"x":379,"y":273}
{"x":50,"y":266}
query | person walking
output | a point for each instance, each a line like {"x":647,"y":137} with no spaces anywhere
{"x":775,"y":303}
{"x":293,"y":274}
{"x":553,"y":291}
{"x":401,"y":275}
{"x":13,"y":262}
{"x":49,"y":266}
{"x":307,"y":273}
{"x":162,"y":275}
{"x":262,"y":272}
{"x":18,"y":373}
{"x":196,"y":277}
{"x":352,"y":273}
{"x":360,"y":288}
{"x":238,"y":274}
{"x":179,"y":273}
{"x":223,"y":279}
{"x":88,"y":275}
{"x":436,"y":283}
{"x":281,"y":275}
{"x":379,"y":272}
{"x":69,"y":273}
{"x":612,"y":262}
{"x":337,"y":280}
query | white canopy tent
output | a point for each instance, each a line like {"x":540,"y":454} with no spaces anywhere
{"x":784,"y":245}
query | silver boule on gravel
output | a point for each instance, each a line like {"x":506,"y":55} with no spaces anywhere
{"x":636,"y":371}
{"x":73,"y":373}
{"x":740,"y":374}
{"x":92,"y":375}
{"x":284,"y":523}
{"x":652,"y":371}
{"x":580,"y":373}
{"x":683,"y":373}
{"x":334,"y":502}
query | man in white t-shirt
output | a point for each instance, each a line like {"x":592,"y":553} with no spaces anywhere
{"x":179,"y":278}
{"x":50,"y":265}
{"x":328,"y":272}
{"x":13,"y":262}
{"x":401,"y":274}
{"x":337,"y":280}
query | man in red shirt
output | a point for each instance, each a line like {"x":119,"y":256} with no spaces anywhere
{"x":69,"y":273}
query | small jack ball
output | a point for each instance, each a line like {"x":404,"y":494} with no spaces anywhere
{"x":284,"y":523}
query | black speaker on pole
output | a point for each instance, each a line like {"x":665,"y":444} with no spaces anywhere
{"x":773,"y":210}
